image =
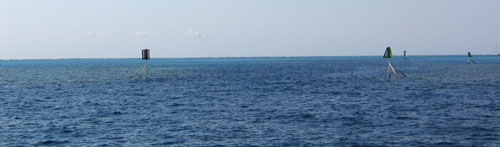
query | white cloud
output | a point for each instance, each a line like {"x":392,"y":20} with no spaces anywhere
{"x":102,"y":34}
{"x":141,"y":33}
{"x":193,"y":34}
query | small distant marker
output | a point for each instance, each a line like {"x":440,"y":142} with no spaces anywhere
{"x":144,"y":69}
{"x":391,"y":69}
{"x":405,"y":60}
{"x":469,"y":56}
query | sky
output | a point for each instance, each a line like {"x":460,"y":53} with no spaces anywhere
{"x":48,"y":29}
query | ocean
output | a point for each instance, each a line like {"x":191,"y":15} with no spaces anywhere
{"x":268,"y":101}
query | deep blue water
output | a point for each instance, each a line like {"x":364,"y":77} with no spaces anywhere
{"x":318,"y":101}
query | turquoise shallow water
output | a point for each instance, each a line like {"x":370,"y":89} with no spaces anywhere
{"x":321,"y":101}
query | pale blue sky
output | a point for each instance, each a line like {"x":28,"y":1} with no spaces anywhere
{"x":220,"y":28}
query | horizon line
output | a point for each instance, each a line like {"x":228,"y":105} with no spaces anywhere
{"x":76,"y":58}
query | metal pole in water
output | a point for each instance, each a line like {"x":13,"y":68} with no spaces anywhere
{"x":468,"y":57}
{"x":143,"y":69}
{"x":388,"y":55}
{"x":389,"y":67}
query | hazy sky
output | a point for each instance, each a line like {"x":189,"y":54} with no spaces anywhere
{"x":221,"y":28}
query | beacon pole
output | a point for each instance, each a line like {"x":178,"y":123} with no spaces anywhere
{"x":405,"y":60}
{"x":145,"y":56}
{"x":390,"y":68}
{"x":468,"y":57}
{"x":388,"y":55}
{"x":143,"y":69}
